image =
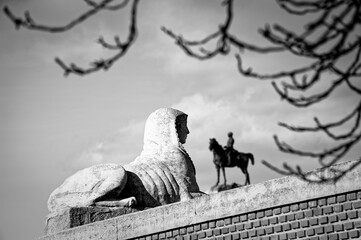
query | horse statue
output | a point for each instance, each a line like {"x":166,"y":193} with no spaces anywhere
{"x":238,"y":159}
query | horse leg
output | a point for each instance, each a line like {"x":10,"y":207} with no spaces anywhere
{"x":224,"y":176}
{"x":243,"y":166}
{"x":247,"y":179}
{"x":217,"y":176}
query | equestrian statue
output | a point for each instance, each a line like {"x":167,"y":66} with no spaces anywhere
{"x":229,"y":157}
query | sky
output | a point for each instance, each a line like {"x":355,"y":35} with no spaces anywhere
{"x":52,"y":126}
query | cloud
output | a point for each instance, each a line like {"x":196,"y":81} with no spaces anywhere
{"x":207,"y":118}
{"x":210,"y":118}
{"x":252,"y":119}
{"x":121,"y":147}
{"x":253,"y":122}
{"x":216,"y":117}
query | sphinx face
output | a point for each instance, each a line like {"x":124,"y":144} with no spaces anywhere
{"x":182,"y":129}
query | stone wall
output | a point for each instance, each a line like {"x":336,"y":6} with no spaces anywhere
{"x":283,"y":208}
{"x":332,"y":217}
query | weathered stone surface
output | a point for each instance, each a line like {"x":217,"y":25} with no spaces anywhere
{"x":163,"y":173}
{"x":86,"y":186}
{"x":220,"y":188}
{"x":74,"y":217}
{"x":251,"y":198}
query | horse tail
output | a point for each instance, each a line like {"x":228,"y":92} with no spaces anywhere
{"x":250,"y":156}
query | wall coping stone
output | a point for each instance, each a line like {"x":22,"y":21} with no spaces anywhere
{"x":268,"y":194}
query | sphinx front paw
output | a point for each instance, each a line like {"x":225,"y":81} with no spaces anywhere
{"x":132,"y":201}
{"x":126,"y":202}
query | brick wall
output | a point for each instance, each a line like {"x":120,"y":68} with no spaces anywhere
{"x":282,"y":208}
{"x":331,"y":217}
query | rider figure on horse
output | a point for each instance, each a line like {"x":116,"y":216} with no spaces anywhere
{"x":229,"y":148}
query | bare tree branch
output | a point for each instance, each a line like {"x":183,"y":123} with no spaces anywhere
{"x":113,"y":7}
{"x":312,"y":177}
{"x":224,"y":42}
{"x":121,"y":47}
{"x":29,"y":23}
{"x":356,"y":113}
{"x":331,"y":43}
{"x":326,"y":41}
{"x":102,"y":64}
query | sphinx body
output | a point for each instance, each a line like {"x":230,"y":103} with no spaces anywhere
{"x":163,"y":173}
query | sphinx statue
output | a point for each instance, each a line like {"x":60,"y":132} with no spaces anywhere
{"x":163,"y":173}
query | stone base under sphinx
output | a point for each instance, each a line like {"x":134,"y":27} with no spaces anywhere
{"x":74,"y":217}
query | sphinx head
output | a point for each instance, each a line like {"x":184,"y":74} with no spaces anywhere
{"x":165,"y":127}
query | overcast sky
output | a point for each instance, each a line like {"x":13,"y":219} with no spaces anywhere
{"x":51,"y":126}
